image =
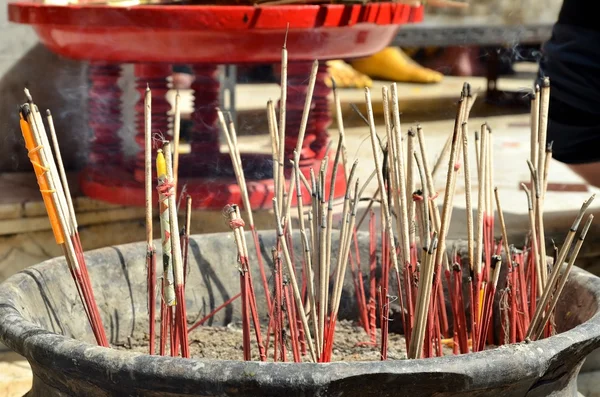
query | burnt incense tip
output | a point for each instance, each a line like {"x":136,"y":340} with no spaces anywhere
{"x":147,"y":87}
{"x":549,"y":147}
{"x":287,"y":30}
{"x":333,"y":85}
{"x":546,"y":82}
{"x":48,"y":113}
{"x":411,"y":132}
{"x":496,"y":259}
{"x":586,"y":227}
{"x":25,"y":109}
{"x":466,"y":90}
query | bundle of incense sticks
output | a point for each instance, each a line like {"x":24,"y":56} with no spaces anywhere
{"x":52,"y":180}
{"x":411,"y":222}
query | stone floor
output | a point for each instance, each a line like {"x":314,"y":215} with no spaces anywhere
{"x":25,"y":238}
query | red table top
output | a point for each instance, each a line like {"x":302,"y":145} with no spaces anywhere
{"x":214,"y":34}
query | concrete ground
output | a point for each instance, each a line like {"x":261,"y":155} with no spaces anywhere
{"x":25,"y":237}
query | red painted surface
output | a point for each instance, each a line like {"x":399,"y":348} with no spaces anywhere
{"x":213,"y":34}
{"x":162,"y":35}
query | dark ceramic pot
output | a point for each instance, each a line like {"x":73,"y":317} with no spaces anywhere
{"x":42,"y":319}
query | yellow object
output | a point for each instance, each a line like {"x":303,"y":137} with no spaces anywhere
{"x":394,"y":65}
{"x":481,"y":292}
{"x":40,"y":171}
{"x":345,"y":76}
{"x":161,"y":164}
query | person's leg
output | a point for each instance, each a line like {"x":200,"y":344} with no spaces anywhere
{"x":589,"y":172}
{"x":572,"y":62}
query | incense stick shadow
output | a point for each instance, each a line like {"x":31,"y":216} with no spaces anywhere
{"x":129,"y":287}
{"x":211,"y":281}
{"x":38,"y":278}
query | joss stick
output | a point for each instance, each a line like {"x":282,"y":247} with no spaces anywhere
{"x":181,"y":312}
{"x":469,"y":205}
{"x":547,"y":159}
{"x":213,"y":313}
{"x":282,"y":121}
{"x":168,"y":290}
{"x":361,"y":296}
{"x":276,"y":308}
{"x":398,"y":185}
{"x":477,"y":150}
{"x":562,"y":281}
{"x":236,"y":225}
{"x":371,"y":200}
{"x":503,"y":229}
{"x":384,"y":206}
{"x":165,"y":228}
{"x":330,"y":207}
{"x":150,"y":251}
{"x":480,"y":230}
{"x":310,"y":283}
{"x":489,"y":301}
{"x":291,"y":322}
{"x":372,"y":277}
{"x":176,"y":135}
{"x":536,"y":322}
{"x":425,"y":226}
{"x":273,"y":132}
{"x":490,"y":183}
{"x":448,"y":201}
{"x":440,"y":160}
{"x":403,"y":230}
{"x":410,"y":188}
{"x":186,"y":237}
{"x":322,"y":254}
{"x":292,"y":276}
{"x":534,"y":248}
{"x":432,"y":194}
{"x":543,"y":130}
{"x":313,"y":223}
{"x":539,"y":215}
{"x":511,"y":281}
{"x":61,"y":169}
{"x":535,"y":119}
{"x":300,"y":140}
